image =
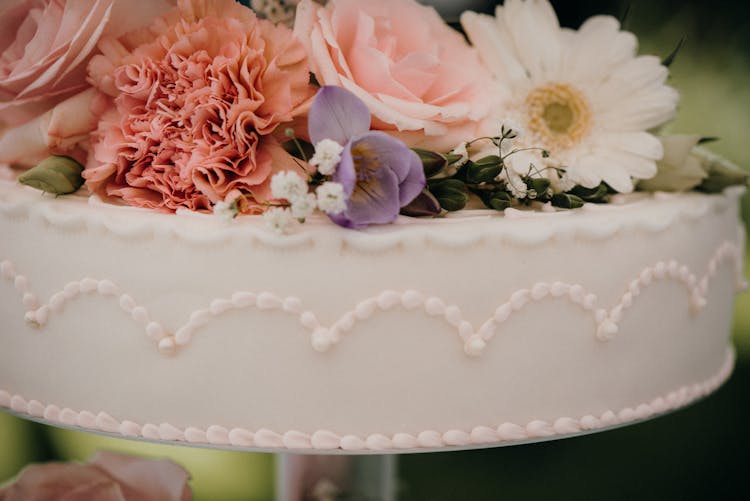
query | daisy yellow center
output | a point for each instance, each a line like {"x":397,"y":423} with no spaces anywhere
{"x":559,"y":115}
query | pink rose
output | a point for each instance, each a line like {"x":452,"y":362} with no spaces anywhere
{"x":420,"y":78}
{"x":45,"y":46}
{"x":195,"y":107}
{"x":107,"y":477}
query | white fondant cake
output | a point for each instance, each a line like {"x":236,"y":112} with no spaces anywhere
{"x":429,"y":334}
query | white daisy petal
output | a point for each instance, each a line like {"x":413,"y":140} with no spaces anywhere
{"x":494,"y":47}
{"x":631,"y":77}
{"x":638,"y":143}
{"x":586,"y":172}
{"x":598,"y":47}
{"x":636,"y":166}
{"x":535,"y":32}
{"x":617,"y":177}
{"x":644,"y":111}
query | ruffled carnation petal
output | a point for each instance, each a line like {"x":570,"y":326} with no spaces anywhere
{"x":196,"y":106}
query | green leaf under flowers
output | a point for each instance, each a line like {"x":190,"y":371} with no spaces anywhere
{"x":538,"y":184}
{"x":500,"y":200}
{"x":567,"y":201}
{"x":484,"y":170}
{"x":432,"y":162}
{"x":593,"y":195}
{"x":721,"y":173}
{"x":450,"y":193}
{"x":60,"y":175}
{"x":299,"y":149}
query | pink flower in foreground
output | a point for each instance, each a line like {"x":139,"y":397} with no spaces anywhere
{"x":195,"y":107}
{"x":107,"y":477}
{"x":45,"y":46}
{"x":419,"y":78}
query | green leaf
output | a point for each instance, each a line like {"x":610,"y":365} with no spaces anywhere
{"x":484,"y":170}
{"x":432,"y":162}
{"x":538,"y":184}
{"x":299,"y":149}
{"x":721,"y":175}
{"x":450,"y":193}
{"x":60,"y":175}
{"x":707,"y":140}
{"x":500,"y":200}
{"x":567,"y":201}
{"x":673,"y":55}
{"x":593,"y":195}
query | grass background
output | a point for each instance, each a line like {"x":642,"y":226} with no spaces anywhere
{"x":698,"y":453}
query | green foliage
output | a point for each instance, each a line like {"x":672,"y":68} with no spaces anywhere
{"x":450,"y":193}
{"x":567,"y":201}
{"x":484,"y":170}
{"x":57,"y":174}
{"x":597,"y":195}
{"x":721,"y":176}
{"x":500,"y":200}
{"x":299,"y":148}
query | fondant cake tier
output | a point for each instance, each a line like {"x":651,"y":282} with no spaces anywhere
{"x":477,"y":329}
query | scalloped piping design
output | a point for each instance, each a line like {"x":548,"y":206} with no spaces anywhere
{"x":248,"y":231}
{"x":328,"y":440}
{"x":323,"y":338}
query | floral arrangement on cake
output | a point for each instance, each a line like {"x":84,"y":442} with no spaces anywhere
{"x":365,"y":111}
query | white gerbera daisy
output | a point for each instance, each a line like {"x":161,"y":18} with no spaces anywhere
{"x":585,"y":96}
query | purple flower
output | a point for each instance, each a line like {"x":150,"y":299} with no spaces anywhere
{"x":379,"y":173}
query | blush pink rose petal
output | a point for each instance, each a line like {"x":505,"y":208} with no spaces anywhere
{"x":419,"y":77}
{"x":45,"y":46}
{"x":106,"y":477}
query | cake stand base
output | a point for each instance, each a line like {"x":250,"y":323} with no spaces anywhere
{"x":328,"y":477}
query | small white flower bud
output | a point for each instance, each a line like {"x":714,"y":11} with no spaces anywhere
{"x":331,"y":198}
{"x":303,"y":207}
{"x":280,"y":219}
{"x":327,"y":156}
{"x":288,"y":185}
{"x":226,"y":211}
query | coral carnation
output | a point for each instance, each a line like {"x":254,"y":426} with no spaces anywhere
{"x":195,"y":108}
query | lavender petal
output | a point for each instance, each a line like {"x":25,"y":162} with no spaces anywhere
{"x":415,"y":181}
{"x":345,"y":172}
{"x":337,"y":114}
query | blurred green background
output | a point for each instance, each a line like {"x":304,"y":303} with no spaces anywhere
{"x":698,"y":453}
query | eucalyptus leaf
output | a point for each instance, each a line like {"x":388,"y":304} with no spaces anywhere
{"x":450,"y":193}
{"x":59,"y":175}
{"x":567,"y":201}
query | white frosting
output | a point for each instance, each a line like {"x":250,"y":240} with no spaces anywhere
{"x":324,"y":440}
{"x":476,"y":329}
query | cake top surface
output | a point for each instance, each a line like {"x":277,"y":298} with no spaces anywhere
{"x":650,"y":213}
